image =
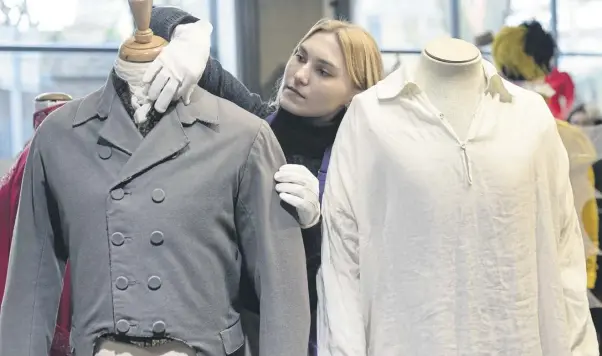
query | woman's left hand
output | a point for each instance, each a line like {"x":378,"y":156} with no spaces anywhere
{"x":300,"y":188}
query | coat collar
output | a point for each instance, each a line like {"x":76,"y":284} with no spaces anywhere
{"x":165,"y":141}
{"x":203,"y":107}
{"x":401,"y":82}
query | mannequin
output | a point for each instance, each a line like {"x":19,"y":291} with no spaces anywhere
{"x":136,"y":54}
{"x":451,"y":74}
{"x":159,"y":216}
{"x":43,"y":104}
{"x":456,"y":236}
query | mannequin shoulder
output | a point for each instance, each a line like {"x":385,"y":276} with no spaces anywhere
{"x":531,"y":105}
{"x":61,"y":121}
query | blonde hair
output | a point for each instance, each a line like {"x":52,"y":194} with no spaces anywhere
{"x":363,"y":60}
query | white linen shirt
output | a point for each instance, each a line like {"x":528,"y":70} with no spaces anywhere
{"x":437,"y":247}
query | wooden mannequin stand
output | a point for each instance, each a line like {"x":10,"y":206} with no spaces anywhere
{"x":44,"y":99}
{"x":144,"y":46}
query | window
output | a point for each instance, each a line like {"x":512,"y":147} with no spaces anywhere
{"x":480,"y":16}
{"x":579,"y":26}
{"x":58,"y":24}
{"x":586,"y":72}
{"x":25,"y":75}
{"x":403,"y":24}
{"x":392,"y":61}
{"x":76,"y":21}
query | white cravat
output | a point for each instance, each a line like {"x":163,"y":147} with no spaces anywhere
{"x":132,"y":73}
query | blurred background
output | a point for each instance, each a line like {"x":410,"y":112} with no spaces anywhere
{"x":70,"y":45}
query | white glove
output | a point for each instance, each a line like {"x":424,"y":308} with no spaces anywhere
{"x":180,"y":65}
{"x":300,"y":188}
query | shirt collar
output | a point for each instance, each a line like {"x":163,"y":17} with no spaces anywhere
{"x":401,"y":82}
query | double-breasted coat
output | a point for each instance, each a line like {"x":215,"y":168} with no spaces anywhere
{"x":158,"y":231}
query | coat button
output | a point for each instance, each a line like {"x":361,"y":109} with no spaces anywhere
{"x":117,"y":194}
{"x":158,"y":195}
{"x":123,"y":326}
{"x":117,"y":239}
{"x":159,"y":327}
{"x":105,"y":152}
{"x":154,"y":283}
{"x":157,"y":238}
{"x":121,"y":283}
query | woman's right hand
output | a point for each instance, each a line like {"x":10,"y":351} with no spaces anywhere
{"x":180,"y":65}
{"x":300,"y":188}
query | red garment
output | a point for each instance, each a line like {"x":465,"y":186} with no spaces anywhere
{"x":10,"y":190}
{"x":561,"y":103}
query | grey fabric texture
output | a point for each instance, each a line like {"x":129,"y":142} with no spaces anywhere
{"x":158,"y":231}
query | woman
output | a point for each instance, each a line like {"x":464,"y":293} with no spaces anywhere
{"x":334,"y":61}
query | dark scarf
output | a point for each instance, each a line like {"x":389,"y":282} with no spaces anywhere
{"x":302,"y":141}
{"x":123,"y":92}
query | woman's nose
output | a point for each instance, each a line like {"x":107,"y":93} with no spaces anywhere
{"x":302,"y":75}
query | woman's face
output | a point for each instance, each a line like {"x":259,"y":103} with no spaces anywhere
{"x":316,"y":82}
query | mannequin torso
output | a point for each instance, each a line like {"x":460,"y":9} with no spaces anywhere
{"x":451,"y":75}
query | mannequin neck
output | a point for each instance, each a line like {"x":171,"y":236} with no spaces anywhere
{"x":454,"y":87}
{"x":130,"y":72}
{"x":439,"y":78}
{"x":133,"y":73}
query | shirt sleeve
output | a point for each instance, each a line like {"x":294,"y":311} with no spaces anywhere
{"x":36,"y":267}
{"x":272,"y":249}
{"x":571,"y":255}
{"x":341,"y":329}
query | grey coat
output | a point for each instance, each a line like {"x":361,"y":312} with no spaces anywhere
{"x":157,"y":230}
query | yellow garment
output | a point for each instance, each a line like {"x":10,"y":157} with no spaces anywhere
{"x":591,"y":225}
{"x":582,"y":155}
{"x":508,"y":53}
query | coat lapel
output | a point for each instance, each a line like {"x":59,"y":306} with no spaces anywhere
{"x":119,"y":130}
{"x":163,"y":142}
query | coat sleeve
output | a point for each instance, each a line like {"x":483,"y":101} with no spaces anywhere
{"x":272,"y":249}
{"x":571,"y":253}
{"x":35,"y":273}
{"x":215,"y":79}
{"x":341,"y":329}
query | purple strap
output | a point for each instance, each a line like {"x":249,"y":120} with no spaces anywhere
{"x":323,"y":170}
{"x":325,"y":161}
